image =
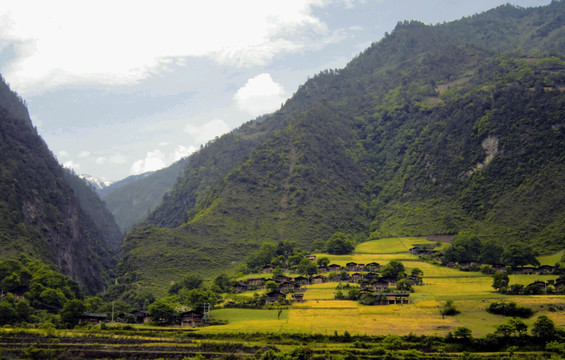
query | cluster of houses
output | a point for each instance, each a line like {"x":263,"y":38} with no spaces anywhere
{"x":187,"y":318}
{"x":365,"y":275}
{"x":476,"y":265}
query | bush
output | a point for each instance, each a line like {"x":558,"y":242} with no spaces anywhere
{"x":510,"y":309}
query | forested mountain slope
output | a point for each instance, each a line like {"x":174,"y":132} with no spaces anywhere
{"x":446,"y":129}
{"x":40,"y":214}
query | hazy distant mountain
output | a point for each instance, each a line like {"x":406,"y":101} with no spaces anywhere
{"x":112,"y":186}
{"x":98,"y":184}
{"x":446,"y":129}
{"x":40,"y":212}
{"x":132,"y":199}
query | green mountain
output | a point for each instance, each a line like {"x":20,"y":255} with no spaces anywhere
{"x":434,"y":130}
{"x":46,"y":212}
{"x":132,"y":202}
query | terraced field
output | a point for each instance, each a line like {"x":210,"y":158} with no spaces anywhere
{"x":320,"y":313}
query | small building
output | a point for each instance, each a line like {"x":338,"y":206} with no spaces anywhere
{"x":545,"y":269}
{"x":267,"y":269}
{"x":373,"y":266}
{"x":254,"y":282}
{"x":273,"y":297}
{"x":397,"y":298}
{"x":319,"y":279}
{"x":380,"y":285}
{"x":334,"y":267}
{"x":351,"y":266}
{"x":191,"y":318}
{"x":240,"y":286}
{"x":282,"y":279}
{"x":286,"y":286}
{"x":140,"y":316}
{"x":527,"y":271}
{"x":361,"y":267}
{"x":323,"y":269}
{"x":356,"y":277}
{"x":298,"y":297}
{"x":311,"y":257}
{"x":301,"y":280}
{"x":451,"y":265}
{"x":93,"y":318}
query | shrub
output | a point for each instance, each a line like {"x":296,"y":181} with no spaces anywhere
{"x":510,"y":309}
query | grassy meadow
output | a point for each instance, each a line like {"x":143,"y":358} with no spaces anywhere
{"x":320,"y":313}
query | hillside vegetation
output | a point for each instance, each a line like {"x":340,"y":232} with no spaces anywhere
{"x":434,"y":130}
{"x":46,"y":212}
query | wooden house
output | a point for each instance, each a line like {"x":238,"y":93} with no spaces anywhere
{"x":282,"y":279}
{"x":93,"y":318}
{"x":191,"y":318}
{"x":298,"y":297}
{"x":323,"y":269}
{"x":527,"y":271}
{"x":334,"y":267}
{"x":373,"y":266}
{"x":267,"y":269}
{"x":319,"y":279}
{"x":286,"y":286}
{"x":351,"y":266}
{"x":273,"y":297}
{"x":240,"y":286}
{"x":397,"y":298}
{"x":356,"y":277}
{"x":301,"y":280}
{"x":140,"y":316}
{"x":255,"y":282}
{"x":380,"y":285}
{"x":545,"y":269}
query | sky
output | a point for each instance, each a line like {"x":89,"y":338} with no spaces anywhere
{"x":118,"y":88}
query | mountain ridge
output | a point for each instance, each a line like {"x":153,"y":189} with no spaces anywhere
{"x":421,"y":134}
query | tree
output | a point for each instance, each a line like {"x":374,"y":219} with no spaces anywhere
{"x":161,"y":312}
{"x":196,"y":298}
{"x":323,"y":262}
{"x":8,"y":314}
{"x":449,"y":309}
{"x":307,"y":267}
{"x":224,"y":283}
{"x":520,"y":327}
{"x":271,"y":286}
{"x":339,"y":244}
{"x":463,"y":333}
{"x":519,"y":255}
{"x":192,"y":281}
{"x":72,"y":312}
{"x":394,"y":269}
{"x":544,"y":328}
{"x":500,"y":280}
{"x":504,"y":330}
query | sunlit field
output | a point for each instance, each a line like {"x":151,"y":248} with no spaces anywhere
{"x":472,"y":292}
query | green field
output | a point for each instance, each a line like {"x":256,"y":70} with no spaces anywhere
{"x":320,"y":313}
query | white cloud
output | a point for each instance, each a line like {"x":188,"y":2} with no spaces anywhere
{"x":71,"y":165}
{"x":101,"y":160}
{"x":207,"y":131}
{"x":182,"y":151}
{"x":84,"y":154}
{"x":118,"y":159}
{"x":260,"y":95}
{"x":154,"y":160}
{"x":63,"y":154}
{"x":66,"y":42}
